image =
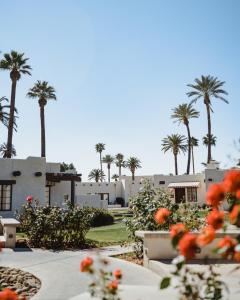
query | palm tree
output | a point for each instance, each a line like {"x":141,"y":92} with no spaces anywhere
{"x":115,"y":177}
{"x":209,"y":140}
{"x":96,"y":174}
{"x":43,"y":92}
{"x":133,"y":163}
{"x":17,"y":65}
{"x":206,"y":88}
{"x":4,"y":113}
{"x":4,"y":150}
{"x":108,"y":159}
{"x":177,"y":144}
{"x":182,"y":113}
{"x":194,"y":143}
{"x":119,"y":159}
{"x":99,"y":149}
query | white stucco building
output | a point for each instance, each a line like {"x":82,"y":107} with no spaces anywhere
{"x":44,"y":181}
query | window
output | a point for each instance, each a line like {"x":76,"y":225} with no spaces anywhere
{"x":104,"y":196}
{"x":47,"y":195}
{"x":161,"y":182}
{"x":5,"y":197}
{"x":192,"y":194}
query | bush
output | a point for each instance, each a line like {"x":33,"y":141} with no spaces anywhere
{"x":53,"y":227}
{"x":120,"y":201}
{"x":101,"y":217}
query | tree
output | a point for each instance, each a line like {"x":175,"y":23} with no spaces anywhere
{"x":16,"y":63}
{"x":209,"y":140}
{"x":4,"y":113}
{"x":96,"y":174}
{"x":65,"y":167}
{"x":43,"y":92}
{"x":175,"y":143}
{"x":182,"y":113}
{"x":108,"y":159}
{"x":132,"y":164}
{"x":119,"y":160}
{"x":99,"y":149}
{"x":206,"y":88}
{"x":194,"y":143}
{"x":4,"y":150}
{"x":115,"y":177}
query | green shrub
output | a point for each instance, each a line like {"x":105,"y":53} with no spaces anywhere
{"x":101,"y":217}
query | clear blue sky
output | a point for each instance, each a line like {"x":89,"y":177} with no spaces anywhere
{"x":119,"y":67}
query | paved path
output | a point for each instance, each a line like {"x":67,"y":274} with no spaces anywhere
{"x":60,"y":275}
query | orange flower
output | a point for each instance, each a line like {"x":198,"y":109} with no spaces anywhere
{"x":188,"y":245}
{"x":118,"y":274}
{"x":86,"y":264}
{"x":215,"y":194}
{"x":238,"y":194}
{"x":113,"y":285}
{"x":227,"y":244}
{"x":232,"y":181}
{"x":8,"y":294}
{"x":206,"y":237}
{"x":178,"y":230}
{"x":161,"y":215}
{"x":234,"y":214}
{"x":236,"y":256}
{"x":216,"y":219}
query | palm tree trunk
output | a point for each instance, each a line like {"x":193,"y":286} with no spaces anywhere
{"x":43,"y":141}
{"x":119,"y":171}
{"x":189,"y":149}
{"x":193,"y":164}
{"x":176,"y":164}
{"x":101,"y":164}
{"x":133,"y":175}
{"x":11,"y":119}
{"x":109,"y":173}
{"x":209,"y":157}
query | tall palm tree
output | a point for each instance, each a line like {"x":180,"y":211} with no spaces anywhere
{"x":182,"y":113}
{"x":99,"y":149}
{"x":96,"y":174}
{"x":4,"y":113}
{"x":194,"y":143}
{"x":208,"y":87}
{"x":177,"y":144}
{"x":43,"y":92}
{"x":4,"y":150}
{"x":209,"y":140}
{"x":119,"y":160}
{"x":133,"y":163}
{"x":16,"y":63}
{"x":108,"y":159}
{"x":115,"y":177}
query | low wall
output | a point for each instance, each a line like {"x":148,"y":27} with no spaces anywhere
{"x":157,"y":245}
{"x":91,"y":201}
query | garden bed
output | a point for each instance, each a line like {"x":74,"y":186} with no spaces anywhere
{"x":23,"y":283}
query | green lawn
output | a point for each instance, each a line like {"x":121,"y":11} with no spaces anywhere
{"x":111,"y":234}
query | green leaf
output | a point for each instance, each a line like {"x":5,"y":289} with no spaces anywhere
{"x":166,"y":281}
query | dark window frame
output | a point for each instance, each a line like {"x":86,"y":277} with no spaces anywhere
{"x":49,"y":194}
{"x":2,"y":184}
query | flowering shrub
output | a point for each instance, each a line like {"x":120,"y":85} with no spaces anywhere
{"x":7,"y":294}
{"x":195,"y":285}
{"x":53,"y":227}
{"x":104,"y":284}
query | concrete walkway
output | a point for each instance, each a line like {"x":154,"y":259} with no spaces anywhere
{"x":60,"y":275}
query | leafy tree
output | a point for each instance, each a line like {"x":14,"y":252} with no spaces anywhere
{"x":4,"y":150}
{"x":16,"y":63}
{"x":194,"y":143}
{"x":132,"y":164}
{"x":209,"y":140}
{"x":43,"y":92}
{"x":96,"y":174}
{"x":206,"y":88}
{"x":99,"y":149}
{"x":175,"y":143}
{"x":115,"y":177}
{"x":108,"y":160}
{"x":119,"y":160}
{"x":181,"y":114}
{"x":65,"y":167}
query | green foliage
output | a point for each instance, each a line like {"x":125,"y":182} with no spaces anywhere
{"x":65,"y":167}
{"x":53,"y":227}
{"x":166,"y":281}
{"x":100,"y":217}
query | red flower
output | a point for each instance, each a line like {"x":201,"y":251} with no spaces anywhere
{"x":238,"y":194}
{"x":29,"y":199}
{"x":86,"y":264}
{"x":161,"y":215}
{"x":232,"y":181}
{"x":188,"y":245}
{"x":227,"y":244}
{"x":215,"y":219}
{"x":178,"y":230}
{"x":8,"y":294}
{"x":113,"y":285}
{"x":215,"y":194}
{"x":234,"y":214}
{"x":206,"y":237}
{"x":236,"y":256}
{"x":118,"y":274}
